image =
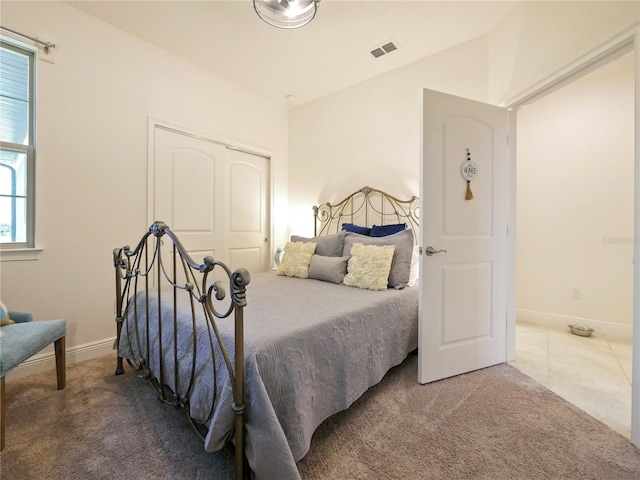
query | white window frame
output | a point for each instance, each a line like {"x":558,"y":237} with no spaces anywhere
{"x":25,"y":250}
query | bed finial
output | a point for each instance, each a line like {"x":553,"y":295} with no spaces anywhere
{"x":157,"y":228}
{"x":240,"y":278}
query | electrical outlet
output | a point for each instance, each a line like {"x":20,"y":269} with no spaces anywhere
{"x":576,"y":293}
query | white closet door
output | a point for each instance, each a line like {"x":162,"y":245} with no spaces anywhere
{"x":215,"y":198}
{"x":247,"y":216}
{"x":189,"y":191}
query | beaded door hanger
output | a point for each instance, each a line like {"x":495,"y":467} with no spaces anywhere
{"x":469,"y":171}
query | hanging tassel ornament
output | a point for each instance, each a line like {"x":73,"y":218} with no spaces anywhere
{"x":469,"y":170}
{"x":469,"y":194}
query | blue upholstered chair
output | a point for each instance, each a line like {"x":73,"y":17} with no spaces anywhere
{"x":23,"y":339}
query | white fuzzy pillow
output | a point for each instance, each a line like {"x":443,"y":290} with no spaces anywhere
{"x":296,"y":259}
{"x":369,"y":266}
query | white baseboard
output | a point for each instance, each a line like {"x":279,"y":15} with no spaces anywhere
{"x":609,"y":329}
{"x":46,"y":360}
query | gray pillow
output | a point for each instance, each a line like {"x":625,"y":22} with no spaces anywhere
{"x":326,"y":245}
{"x":328,"y":269}
{"x":401,"y":263}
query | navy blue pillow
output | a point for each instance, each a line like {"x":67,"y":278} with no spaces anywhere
{"x":351,"y":227}
{"x":384,"y":230}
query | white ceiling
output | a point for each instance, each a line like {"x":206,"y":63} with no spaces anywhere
{"x":327,"y":55}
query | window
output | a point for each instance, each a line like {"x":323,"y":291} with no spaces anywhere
{"x":17,"y":86}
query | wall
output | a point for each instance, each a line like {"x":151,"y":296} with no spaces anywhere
{"x":576,"y":203}
{"x":370,"y":133}
{"x":541,"y":38}
{"x":91,"y":195}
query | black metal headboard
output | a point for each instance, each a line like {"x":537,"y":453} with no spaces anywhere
{"x":367,"y":207}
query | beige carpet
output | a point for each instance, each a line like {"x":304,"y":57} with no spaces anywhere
{"x":492,"y":424}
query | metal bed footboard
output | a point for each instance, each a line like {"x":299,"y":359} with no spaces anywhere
{"x":160,"y":260}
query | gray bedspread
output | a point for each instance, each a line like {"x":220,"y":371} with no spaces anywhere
{"x":311,"y":348}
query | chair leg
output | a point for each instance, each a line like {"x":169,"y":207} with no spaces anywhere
{"x":59,"y":346}
{"x":2,"y":414}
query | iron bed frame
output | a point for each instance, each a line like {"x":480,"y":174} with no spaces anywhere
{"x":145,"y":269}
{"x":366,"y":207}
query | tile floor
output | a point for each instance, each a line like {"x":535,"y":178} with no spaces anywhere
{"x":593,"y":373}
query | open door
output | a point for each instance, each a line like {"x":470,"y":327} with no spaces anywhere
{"x":463,"y":298}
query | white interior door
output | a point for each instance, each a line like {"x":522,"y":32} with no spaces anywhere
{"x":215,"y":198}
{"x":463,"y":304}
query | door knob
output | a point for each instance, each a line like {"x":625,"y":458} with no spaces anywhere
{"x":431,"y":251}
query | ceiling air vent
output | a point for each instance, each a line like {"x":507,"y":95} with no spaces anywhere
{"x":378,"y":52}
{"x":388,"y":47}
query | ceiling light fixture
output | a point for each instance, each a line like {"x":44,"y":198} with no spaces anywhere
{"x":286,"y":13}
